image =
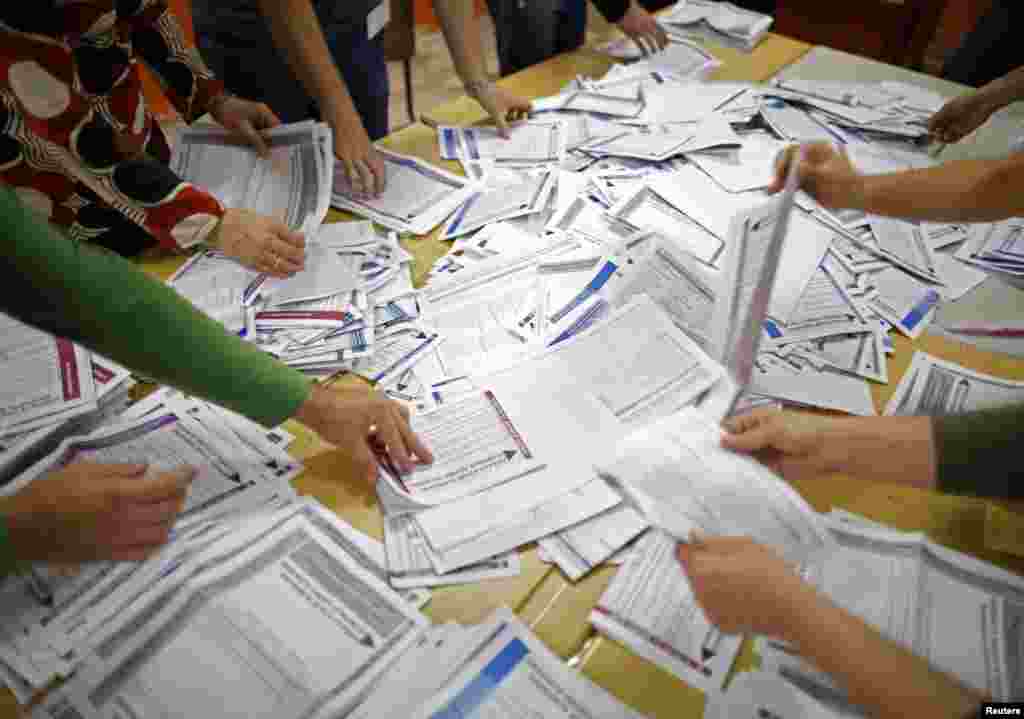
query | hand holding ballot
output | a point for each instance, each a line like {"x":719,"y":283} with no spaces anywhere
{"x":643,"y":29}
{"x":260,"y":242}
{"x":245,"y":118}
{"x":743,"y":587}
{"x":88,"y":511}
{"x":365,"y":424}
{"x":803,"y":446}
{"x":824,"y":172}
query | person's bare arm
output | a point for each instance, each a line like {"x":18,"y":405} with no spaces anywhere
{"x":877,"y":673}
{"x":462,"y":33}
{"x":960,"y":191}
{"x":746,"y":588}
{"x":297,"y":33}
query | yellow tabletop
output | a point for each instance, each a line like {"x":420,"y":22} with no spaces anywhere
{"x":556,"y":609}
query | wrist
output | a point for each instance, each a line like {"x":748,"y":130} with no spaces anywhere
{"x":797,"y":602}
{"x":859,"y":191}
{"x":899,"y":449}
{"x":313,"y":412}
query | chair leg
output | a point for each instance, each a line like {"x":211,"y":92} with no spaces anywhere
{"x":407,"y":66}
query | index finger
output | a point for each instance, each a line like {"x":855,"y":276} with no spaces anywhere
{"x":377,"y":169}
{"x":164,"y":486}
{"x":412,"y":442}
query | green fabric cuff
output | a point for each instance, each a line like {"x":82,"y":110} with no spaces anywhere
{"x":978,"y":454}
{"x":8,"y":562}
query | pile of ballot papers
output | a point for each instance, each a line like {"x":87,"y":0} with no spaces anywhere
{"x":721,"y":22}
{"x":52,"y":388}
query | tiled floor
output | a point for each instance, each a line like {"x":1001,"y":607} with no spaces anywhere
{"x":433,"y":76}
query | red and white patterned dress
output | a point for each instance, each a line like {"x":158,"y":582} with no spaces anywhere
{"x":76,"y":139}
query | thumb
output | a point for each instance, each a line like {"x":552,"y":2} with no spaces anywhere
{"x":498,"y":115}
{"x":253,"y":137}
{"x":753,"y":439}
{"x":158,"y":487}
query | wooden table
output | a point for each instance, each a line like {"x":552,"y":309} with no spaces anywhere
{"x":556,"y":609}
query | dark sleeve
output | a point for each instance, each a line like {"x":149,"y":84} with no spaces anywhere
{"x":106,"y":303}
{"x":979,"y":453}
{"x":613,"y":10}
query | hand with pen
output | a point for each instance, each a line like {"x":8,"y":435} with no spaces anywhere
{"x":88,"y":511}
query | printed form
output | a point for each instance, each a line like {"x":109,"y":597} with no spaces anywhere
{"x":650,"y":608}
{"x":46,"y":379}
{"x":234,"y":632}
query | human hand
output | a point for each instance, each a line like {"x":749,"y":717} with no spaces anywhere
{"x":960,"y":117}
{"x":742,"y":586}
{"x":641,"y":27}
{"x":88,"y":511}
{"x":260,"y":242}
{"x":361,"y":423}
{"x":245,"y":118}
{"x":795,"y":445}
{"x":824,"y":172}
{"x":363,"y":166}
{"x":500,"y":104}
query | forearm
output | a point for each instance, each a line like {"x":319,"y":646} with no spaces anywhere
{"x":297,"y":33}
{"x":1005,"y":90}
{"x":103,"y":301}
{"x":961,"y":191}
{"x":884,"y":449}
{"x":462,"y":33}
{"x":876,"y":673}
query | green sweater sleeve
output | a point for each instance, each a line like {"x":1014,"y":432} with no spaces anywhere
{"x":106,"y":303}
{"x":979,"y":453}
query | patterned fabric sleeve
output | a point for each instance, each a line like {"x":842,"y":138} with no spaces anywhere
{"x":158,"y":39}
{"x":77,"y":140}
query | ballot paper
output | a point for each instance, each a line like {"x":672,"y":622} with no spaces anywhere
{"x":218,"y":286}
{"x":526,"y":193}
{"x":933,"y":386}
{"x":423,"y":669}
{"x":418,"y":196}
{"x":904,"y":300}
{"x":607,"y":105}
{"x":793,"y":124}
{"x":749,"y":167}
{"x":682,"y":287}
{"x":960,"y":614}
{"x":241,"y":618}
{"x":515,"y":675}
{"x":652,"y":145}
{"x":531,"y":142}
{"x":47,"y":379}
{"x":635,"y":363}
{"x":327,"y":272}
{"x":676,"y":472}
{"x":409,"y":559}
{"x":719,"y":21}
{"x":906,"y":241}
{"x":648,"y":210}
{"x":700,"y":198}
{"x":758,"y":695}
{"x":756,"y":240}
{"x":804,"y":385}
{"x":680,"y":59}
{"x":292,"y":184}
{"x":998,"y":247}
{"x":169,"y":440}
{"x":476,"y":446}
{"x":585,"y":219}
{"x":471,"y":530}
{"x":650,"y":608}
{"x":582,"y":547}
